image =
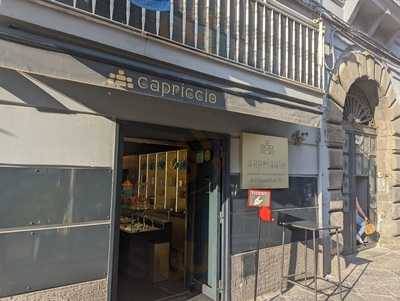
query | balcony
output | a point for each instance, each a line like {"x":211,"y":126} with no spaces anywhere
{"x":265,"y":37}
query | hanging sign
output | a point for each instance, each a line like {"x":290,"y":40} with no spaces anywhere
{"x":262,"y":199}
{"x":264,"y":162}
{"x":259,"y":198}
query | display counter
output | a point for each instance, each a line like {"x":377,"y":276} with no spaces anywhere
{"x":145,"y":246}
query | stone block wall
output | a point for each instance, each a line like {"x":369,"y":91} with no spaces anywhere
{"x":86,"y":291}
{"x":353,"y":66}
{"x":269,"y":275}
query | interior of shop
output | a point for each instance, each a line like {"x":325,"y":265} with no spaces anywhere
{"x":167,"y":196}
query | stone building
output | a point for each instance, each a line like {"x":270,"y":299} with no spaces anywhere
{"x":360,"y":119}
{"x":94,"y":92}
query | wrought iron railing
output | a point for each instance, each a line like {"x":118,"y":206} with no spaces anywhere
{"x":261,"y":34}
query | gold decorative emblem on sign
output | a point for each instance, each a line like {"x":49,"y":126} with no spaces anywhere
{"x":264,"y":162}
{"x":120,"y":80}
{"x":267,"y":148}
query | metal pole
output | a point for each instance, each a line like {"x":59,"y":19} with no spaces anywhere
{"x":257,"y":259}
{"x":338,"y":259}
{"x":315,"y":266}
{"x":283,"y":257}
{"x":305,"y":246}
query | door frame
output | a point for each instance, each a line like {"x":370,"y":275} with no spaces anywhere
{"x":350,"y":216}
{"x":223,"y":250}
{"x":224,"y":241}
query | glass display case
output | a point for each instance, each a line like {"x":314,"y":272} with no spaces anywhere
{"x":156,"y":181}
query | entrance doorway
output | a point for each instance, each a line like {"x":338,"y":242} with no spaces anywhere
{"x":359,"y":178}
{"x":171,"y":191}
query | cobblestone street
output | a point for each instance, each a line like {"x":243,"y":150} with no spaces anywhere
{"x":371,"y":275}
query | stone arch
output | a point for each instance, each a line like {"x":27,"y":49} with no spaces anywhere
{"x":354,"y":66}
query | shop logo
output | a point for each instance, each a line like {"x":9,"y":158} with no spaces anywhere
{"x":120,"y":79}
{"x":267,"y":149}
{"x":155,"y":86}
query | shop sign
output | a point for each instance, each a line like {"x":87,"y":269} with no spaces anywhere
{"x":264,"y":162}
{"x":259,"y":198}
{"x":150,"y":85}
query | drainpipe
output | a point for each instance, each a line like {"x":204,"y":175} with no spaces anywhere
{"x":323,"y":182}
{"x":323,"y":156}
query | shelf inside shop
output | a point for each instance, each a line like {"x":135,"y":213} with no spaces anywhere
{"x":161,"y":181}
{"x":153,"y":214}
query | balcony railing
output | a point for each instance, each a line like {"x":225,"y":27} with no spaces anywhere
{"x":264,"y":36}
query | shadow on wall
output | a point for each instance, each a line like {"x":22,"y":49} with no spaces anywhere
{"x":149,"y":81}
{"x":144,"y":65}
{"x":7,"y":133}
{"x":99,"y":74}
{"x":294,"y":263}
{"x":270,"y":273}
{"x":12,"y":82}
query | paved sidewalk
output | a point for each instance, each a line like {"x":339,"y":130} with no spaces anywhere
{"x":373,"y":275}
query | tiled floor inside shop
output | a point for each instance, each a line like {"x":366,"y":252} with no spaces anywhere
{"x":372,"y":275}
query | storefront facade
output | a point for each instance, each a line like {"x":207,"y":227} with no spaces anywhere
{"x":64,"y":123}
{"x":70,"y":142}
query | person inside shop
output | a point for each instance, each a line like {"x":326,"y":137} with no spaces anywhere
{"x":361,"y":220}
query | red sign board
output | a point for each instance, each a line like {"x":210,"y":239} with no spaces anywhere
{"x":259,"y":198}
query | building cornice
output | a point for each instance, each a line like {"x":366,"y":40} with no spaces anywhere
{"x":359,"y":38}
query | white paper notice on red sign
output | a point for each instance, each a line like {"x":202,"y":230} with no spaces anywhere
{"x":259,"y":198}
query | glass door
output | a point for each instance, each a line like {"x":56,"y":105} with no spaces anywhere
{"x":204,"y":207}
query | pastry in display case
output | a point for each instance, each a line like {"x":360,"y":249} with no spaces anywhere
{"x":136,"y":224}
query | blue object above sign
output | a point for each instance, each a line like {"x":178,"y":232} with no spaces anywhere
{"x":158,"y":5}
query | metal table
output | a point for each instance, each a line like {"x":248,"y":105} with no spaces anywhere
{"x":307,"y":226}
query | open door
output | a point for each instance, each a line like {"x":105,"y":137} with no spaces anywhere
{"x":204,"y":236}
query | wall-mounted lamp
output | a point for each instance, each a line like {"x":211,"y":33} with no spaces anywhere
{"x":299,"y":137}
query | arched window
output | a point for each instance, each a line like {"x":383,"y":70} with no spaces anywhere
{"x":357,"y":109}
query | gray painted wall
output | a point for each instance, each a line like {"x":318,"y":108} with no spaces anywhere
{"x":49,"y":161}
{"x":29,"y":136}
{"x":111,"y":35}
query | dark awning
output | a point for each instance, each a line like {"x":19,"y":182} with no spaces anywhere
{"x":31,"y":63}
